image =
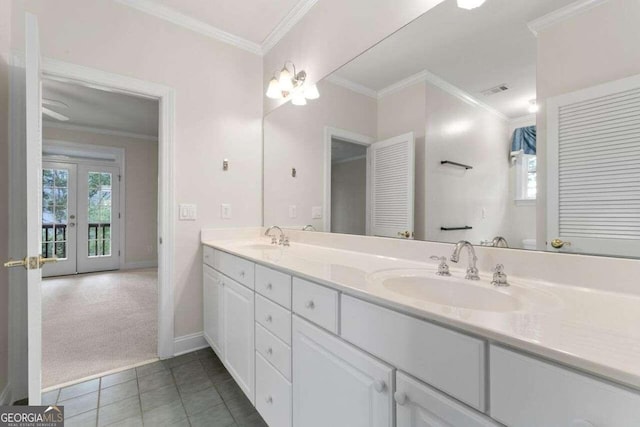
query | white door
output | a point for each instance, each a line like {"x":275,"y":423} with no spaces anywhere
{"x":213,"y":291}
{"x":26,"y":221}
{"x":59,"y":217}
{"x":593,"y":170}
{"x":239,"y":349}
{"x":418,"y":405}
{"x":392,"y":175}
{"x":336,"y":384}
{"x":98,"y":218}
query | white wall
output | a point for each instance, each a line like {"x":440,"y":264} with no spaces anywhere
{"x":294,"y":138}
{"x":349,"y":197}
{"x":594,"y":47}
{"x":218,"y":113}
{"x":141,"y":195}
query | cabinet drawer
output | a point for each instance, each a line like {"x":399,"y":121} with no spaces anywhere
{"x":529,"y":392}
{"x":273,"y":395}
{"x":316,"y":303}
{"x":274,"y":318}
{"x":417,"y":401}
{"x":448,"y":360}
{"x":240,"y":270}
{"x":274,"y":350}
{"x":274,"y":285}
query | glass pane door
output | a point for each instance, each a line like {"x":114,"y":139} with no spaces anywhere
{"x":98,"y":221}
{"x":58,"y":217}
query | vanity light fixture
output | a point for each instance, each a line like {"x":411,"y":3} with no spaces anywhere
{"x":470,"y":4}
{"x":533,"y":106}
{"x":292,"y":85}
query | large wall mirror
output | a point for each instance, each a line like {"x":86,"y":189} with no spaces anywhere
{"x":489,"y":125}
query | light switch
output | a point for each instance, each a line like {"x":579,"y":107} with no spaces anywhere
{"x":293,"y":211}
{"x":316,"y":212}
{"x":187,"y":212}
{"x":225,"y":211}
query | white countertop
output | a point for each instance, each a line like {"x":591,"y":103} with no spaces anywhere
{"x":593,"y":330}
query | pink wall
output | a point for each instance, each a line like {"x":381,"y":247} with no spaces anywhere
{"x":594,"y":47}
{"x":333,"y":32}
{"x":5,"y":23}
{"x":294,"y":137}
{"x":218,"y":113}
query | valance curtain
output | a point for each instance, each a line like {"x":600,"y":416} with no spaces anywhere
{"x":524,"y":140}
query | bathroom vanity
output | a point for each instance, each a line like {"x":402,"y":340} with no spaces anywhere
{"x":317,"y":335}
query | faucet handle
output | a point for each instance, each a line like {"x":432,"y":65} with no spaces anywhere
{"x":499,"y":276}
{"x":443,"y":268}
{"x":274,"y":240}
{"x":285,"y":241}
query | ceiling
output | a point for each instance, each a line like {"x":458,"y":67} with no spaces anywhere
{"x":473,"y":50}
{"x":106,"y":111}
{"x":252,"y":20}
{"x":343,"y":150}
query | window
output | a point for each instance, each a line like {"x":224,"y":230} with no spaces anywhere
{"x":55,"y":191}
{"x":99,"y":214}
{"x":526,"y":186}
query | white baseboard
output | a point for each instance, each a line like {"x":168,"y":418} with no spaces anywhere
{"x":139,"y":264}
{"x":5,"y":396}
{"x":189,"y":343}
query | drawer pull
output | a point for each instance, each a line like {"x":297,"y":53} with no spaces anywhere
{"x":268,"y":318}
{"x":400,"y":397}
{"x":242,"y":273}
{"x":582,"y":423}
{"x":269,"y":400}
{"x":269,"y":286}
{"x":310,"y":305}
{"x":379,"y":386}
{"x":269,"y":351}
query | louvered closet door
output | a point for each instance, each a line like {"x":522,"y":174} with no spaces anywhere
{"x":392,"y":186}
{"x":594,"y":169}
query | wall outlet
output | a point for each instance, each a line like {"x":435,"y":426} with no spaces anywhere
{"x":225,"y":211}
{"x":293,"y":211}
{"x":316,"y":212}
{"x":187,"y":212}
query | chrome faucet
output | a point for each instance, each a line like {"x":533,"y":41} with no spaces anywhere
{"x":274,"y":240}
{"x":499,"y":242}
{"x":472,"y":270}
{"x":308,"y":228}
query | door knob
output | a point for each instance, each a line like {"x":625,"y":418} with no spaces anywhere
{"x":42,"y":260}
{"x":558,"y":243}
{"x":400,"y":397}
{"x":17,"y":263}
{"x":405,"y":234}
{"x":379,"y":386}
{"x":30,"y":263}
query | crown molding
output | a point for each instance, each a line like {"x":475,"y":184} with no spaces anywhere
{"x":101,"y":131}
{"x":561,"y":14}
{"x":288,"y":22}
{"x":529,"y":118}
{"x":177,"y":18}
{"x":352,"y":86}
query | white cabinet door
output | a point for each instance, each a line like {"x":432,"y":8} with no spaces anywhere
{"x":336,"y":384}
{"x":239,"y":349}
{"x":213,"y":310}
{"x":418,"y":405}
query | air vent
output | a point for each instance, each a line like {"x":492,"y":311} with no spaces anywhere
{"x":496,"y":89}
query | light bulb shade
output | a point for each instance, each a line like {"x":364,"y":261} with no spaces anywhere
{"x":311,"y":92}
{"x":470,"y":4}
{"x":533,"y":107}
{"x":273,"y":91}
{"x":299,"y":99}
{"x":286,"y":85}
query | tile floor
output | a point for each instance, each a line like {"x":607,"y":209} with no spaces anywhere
{"x":189,"y":390}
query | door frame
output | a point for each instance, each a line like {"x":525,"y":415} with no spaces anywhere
{"x":354,"y":138}
{"x":64,"y":71}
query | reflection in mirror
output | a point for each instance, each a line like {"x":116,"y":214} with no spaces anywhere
{"x":440,"y":132}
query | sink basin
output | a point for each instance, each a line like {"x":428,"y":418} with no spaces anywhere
{"x":452,"y":293}
{"x":425,"y":285}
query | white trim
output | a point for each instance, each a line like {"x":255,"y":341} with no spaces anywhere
{"x":166,"y":195}
{"x":5,"y":396}
{"x":349,"y":159}
{"x":352,"y":86}
{"x":561,"y":14}
{"x":139,"y":265}
{"x":524,"y":120}
{"x":189,"y":343}
{"x":101,"y":131}
{"x":345,"y":135}
{"x":288,"y":22}
{"x":185,"y":21}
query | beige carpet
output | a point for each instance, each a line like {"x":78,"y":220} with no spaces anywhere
{"x":93,"y":323}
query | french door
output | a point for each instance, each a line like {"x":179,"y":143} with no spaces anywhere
{"x":81,"y":217}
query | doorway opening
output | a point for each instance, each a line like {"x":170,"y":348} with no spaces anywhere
{"x":348,"y":187}
{"x":100,"y":220}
